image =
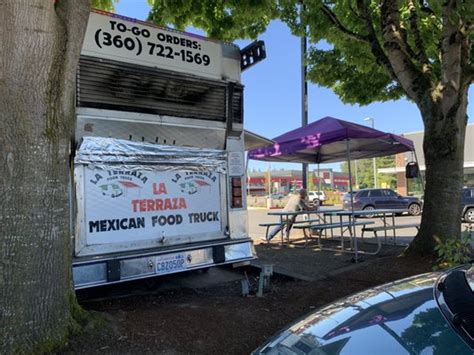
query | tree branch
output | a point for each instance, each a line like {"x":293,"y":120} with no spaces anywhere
{"x":354,"y":11}
{"x":408,"y":75}
{"x":335,"y":21}
{"x":370,"y":39}
{"x":408,"y":48}
{"x":466,"y":57}
{"x":376,"y":48}
{"x":453,"y":53}
{"x":72,"y":17}
{"x":422,"y":57}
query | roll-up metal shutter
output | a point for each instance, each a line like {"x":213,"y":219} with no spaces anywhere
{"x":113,"y":85}
{"x":238,"y":105}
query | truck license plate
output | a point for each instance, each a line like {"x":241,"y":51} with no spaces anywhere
{"x":166,"y":264}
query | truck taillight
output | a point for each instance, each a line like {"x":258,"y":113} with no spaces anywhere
{"x":236,"y":192}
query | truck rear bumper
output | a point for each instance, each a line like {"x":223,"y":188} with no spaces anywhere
{"x":90,"y":272}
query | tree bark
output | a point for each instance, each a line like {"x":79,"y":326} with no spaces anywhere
{"x":443,"y":146}
{"x":39,"y":52}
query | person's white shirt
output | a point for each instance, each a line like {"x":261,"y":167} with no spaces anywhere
{"x":296,"y":204}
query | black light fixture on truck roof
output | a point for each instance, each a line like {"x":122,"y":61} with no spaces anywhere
{"x":252,"y":54}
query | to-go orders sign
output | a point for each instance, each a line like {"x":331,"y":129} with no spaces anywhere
{"x":130,"y":205}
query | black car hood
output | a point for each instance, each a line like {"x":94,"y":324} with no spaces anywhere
{"x":396,"y":318}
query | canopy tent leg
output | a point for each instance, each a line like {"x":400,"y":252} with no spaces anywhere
{"x":319,"y":177}
{"x":351,"y":218}
{"x":319,"y":184}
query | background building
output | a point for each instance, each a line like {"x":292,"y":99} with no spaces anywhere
{"x":285,"y":181}
{"x":335,"y":180}
{"x":413,"y":186}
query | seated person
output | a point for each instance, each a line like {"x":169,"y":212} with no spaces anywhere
{"x":296,"y":203}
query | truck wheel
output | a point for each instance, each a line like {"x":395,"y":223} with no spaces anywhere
{"x":414,"y":209}
{"x":369,"y":208}
{"x":469,"y":215}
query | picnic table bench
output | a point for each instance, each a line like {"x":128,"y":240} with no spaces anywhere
{"x":353,"y":220}
{"x":289,"y":217}
{"x":375,"y":229}
{"x":285,"y":223}
{"x":319,"y":228}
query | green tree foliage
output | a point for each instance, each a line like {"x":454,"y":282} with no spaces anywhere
{"x":355,"y":64}
{"x":226,"y":20}
{"x":107,"y":5}
{"x":365,"y":172}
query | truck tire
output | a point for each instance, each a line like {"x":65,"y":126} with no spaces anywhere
{"x":469,"y":215}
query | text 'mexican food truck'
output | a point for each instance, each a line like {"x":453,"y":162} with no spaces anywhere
{"x":159,"y":164}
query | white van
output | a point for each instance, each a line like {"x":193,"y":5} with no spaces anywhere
{"x":314,"y":196}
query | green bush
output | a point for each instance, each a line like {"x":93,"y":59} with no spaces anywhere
{"x":453,"y":251}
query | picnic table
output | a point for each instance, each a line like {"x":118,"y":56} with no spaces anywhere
{"x":289,"y":217}
{"x":326,"y":217}
{"x":379,"y":213}
{"x":352,"y":223}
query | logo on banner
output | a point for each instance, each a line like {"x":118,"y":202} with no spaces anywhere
{"x":194,"y":182}
{"x":116,"y":183}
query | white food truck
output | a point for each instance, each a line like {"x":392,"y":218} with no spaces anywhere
{"x":159,"y":168}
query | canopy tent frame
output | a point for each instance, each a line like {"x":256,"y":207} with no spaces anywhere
{"x":305,"y":145}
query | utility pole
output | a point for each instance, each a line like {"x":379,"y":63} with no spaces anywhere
{"x":374,"y":161}
{"x":304,"y":92}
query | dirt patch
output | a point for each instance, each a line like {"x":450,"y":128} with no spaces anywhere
{"x":217,"y":320}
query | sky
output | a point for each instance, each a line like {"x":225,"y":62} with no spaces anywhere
{"x":272,"y":101}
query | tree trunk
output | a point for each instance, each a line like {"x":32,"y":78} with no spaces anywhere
{"x":39,"y":52}
{"x":443,"y":146}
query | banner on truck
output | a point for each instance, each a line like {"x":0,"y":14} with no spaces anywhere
{"x":123,"y":205}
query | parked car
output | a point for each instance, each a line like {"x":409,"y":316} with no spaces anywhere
{"x":467,"y":203}
{"x":425,"y":314}
{"x":316,"y":196}
{"x":370,"y":199}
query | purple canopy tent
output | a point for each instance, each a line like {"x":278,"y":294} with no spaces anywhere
{"x":327,"y":140}
{"x":331,"y":140}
